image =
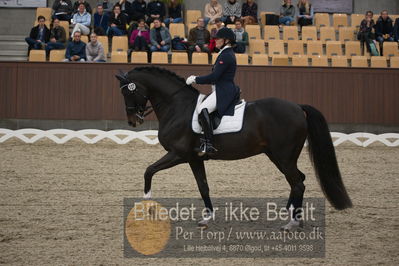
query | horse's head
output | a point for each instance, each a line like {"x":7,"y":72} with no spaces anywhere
{"x":135,"y":96}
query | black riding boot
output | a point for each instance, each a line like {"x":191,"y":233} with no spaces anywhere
{"x":206,"y":146}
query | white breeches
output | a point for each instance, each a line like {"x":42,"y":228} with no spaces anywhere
{"x":209,"y":103}
{"x":82,"y":28}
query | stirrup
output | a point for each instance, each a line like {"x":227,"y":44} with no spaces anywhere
{"x":206,"y":147}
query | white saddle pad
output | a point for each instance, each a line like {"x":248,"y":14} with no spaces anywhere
{"x":228,"y":124}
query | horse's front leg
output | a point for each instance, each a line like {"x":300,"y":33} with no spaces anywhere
{"x":198,"y":169}
{"x":167,"y":161}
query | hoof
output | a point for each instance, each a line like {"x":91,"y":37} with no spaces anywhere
{"x":147,"y":195}
{"x":292,"y":226}
{"x":205,"y":221}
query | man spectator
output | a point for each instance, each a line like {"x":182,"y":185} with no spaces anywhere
{"x":100,"y":21}
{"x":213,"y":10}
{"x":249,"y":12}
{"x":396,"y":30}
{"x":155,"y":10}
{"x":199,"y":38}
{"x":160,"y":37}
{"x":57,"y":37}
{"x":365,"y":34}
{"x":117,"y":22}
{"x":39,"y":35}
{"x":95,"y":50}
{"x":384,"y":30}
{"x":76,"y":49}
{"x":139,"y":9}
{"x":85,"y":3}
{"x":231,"y":12}
{"x":287,"y":13}
{"x":81,"y":21}
{"x":107,"y":5}
{"x":126,"y":7}
{"x":62,"y":9}
{"x":242,"y":39}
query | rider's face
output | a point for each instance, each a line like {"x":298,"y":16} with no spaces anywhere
{"x":219,"y":43}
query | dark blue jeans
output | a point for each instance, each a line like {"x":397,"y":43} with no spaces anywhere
{"x":33,"y":44}
{"x":115,"y":31}
{"x":54,"y":45}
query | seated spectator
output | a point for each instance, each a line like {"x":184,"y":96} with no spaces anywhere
{"x":249,"y":13}
{"x":62,"y":10}
{"x":384,"y":30}
{"x":396,"y":30}
{"x":76,"y":49}
{"x":212,"y":43}
{"x":199,"y":38}
{"x":107,"y":6}
{"x":126,"y":8}
{"x":213,"y":10}
{"x":139,"y":9}
{"x":287,"y":13}
{"x":242,"y":39}
{"x":100,"y":21}
{"x":155,"y":10}
{"x":365,"y":34}
{"x":231,"y":12}
{"x":305,"y":17}
{"x":140,"y":38}
{"x":175,"y":14}
{"x":57,"y":37}
{"x":82,"y":21}
{"x":85,"y":3}
{"x":39,"y":35}
{"x":117,"y":23}
{"x":95,"y":50}
{"x":160,"y":37}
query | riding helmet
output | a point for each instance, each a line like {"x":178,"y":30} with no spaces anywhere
{"x":226,"y":33}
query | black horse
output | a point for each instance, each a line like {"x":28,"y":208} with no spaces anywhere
{"x":275,"y":127}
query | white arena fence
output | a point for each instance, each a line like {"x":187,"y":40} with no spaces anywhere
{"x":92,"y":136}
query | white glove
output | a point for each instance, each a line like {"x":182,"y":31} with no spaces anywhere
{"x":190,"y":80}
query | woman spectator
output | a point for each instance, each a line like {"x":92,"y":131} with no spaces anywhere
{"x":249,"y":12}
{"x":213,"y":11}
{"x":231,"y":12}
{"x":287,"y":13}
{"x":81,"y":21}
{"x":175,"y":15}
{"x":57,"y":37}
{"x":305,"y":17}
{"x":126,"y":9}
{"x":117,"y":22}
{"x":241,"y":38}
{"x":140,"y":38}
{"x":85,"y":3}
{"x":396,"y":30}
{"x":95,"y":50}
{"x":366,"y":34}
{"x":62,"y":10}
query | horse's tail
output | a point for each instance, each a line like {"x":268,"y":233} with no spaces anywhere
{"x":322,"y":155}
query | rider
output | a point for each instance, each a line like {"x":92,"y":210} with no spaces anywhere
{"x":224,"y":92}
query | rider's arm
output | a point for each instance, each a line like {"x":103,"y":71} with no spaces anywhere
{"x":220,"y":68}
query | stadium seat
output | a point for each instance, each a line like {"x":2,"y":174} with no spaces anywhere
{"x":340,"y":20}
{"x":290,"y":33}
{"x":179,"y":58}
{"x":309,"y":33}
{"x":159,"y":58}
{"x":339,"y":61}
{"x":231,"y":26}
{"x":352,"y":48}
{"x":119,"y":57}
{"x":57,"y":55}
{"x":37,"y":56}
{"x":139,"y":57}
{"x":319,"y":61}
{"x":314,"y":48}
{"x":391,"y":49}
{"x":119,"y":43}
{"x":85,"y":39}
{"x":190,"y":26}
{"x":333,"y":48}
{"x":263,"y":16}
{"x":253,"y":31}
{"x":210,"y":27}
{"x":199,"y":59}
{"x":327,"y":34}
{"x":395,"y":62}
{"x":280,"y":60}
{"x":300,"y":60}
{"x":346,"y":34}
{"x":376,"y":17}
{"x":260,"y":60}
{"x":256,"y":47}
{"x":104,"y":41}
{"x":295,"y":48}
{"x":45,"y":12}
{"x":177,"y":30}
{"x":276,"y":48}
{"x":65,"y":25}
{"x":214,"y":56}
{"x":379,"y":62}
{"x":359,"y":61}
{"x":192,"y":16}
{"x":242,"y":59}
{"x":271,"y":33}
{"x":356,"y":19}
{"x":322,"y":20}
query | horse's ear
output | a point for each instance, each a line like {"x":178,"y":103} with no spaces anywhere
{"x":121,"y":76}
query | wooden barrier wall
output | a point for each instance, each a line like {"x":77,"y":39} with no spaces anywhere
{"x":89,"y":91}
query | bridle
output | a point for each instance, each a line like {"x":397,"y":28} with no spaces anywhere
{"x":136,"y":109}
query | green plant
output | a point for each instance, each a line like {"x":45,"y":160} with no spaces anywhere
{"x":168,"y":1}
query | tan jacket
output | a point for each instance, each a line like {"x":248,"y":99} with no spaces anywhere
{"x":213,"y":12}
